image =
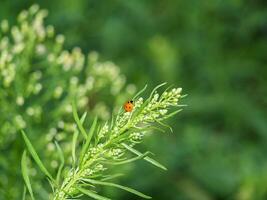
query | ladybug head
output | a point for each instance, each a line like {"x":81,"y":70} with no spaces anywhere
{"x":131,"y":101}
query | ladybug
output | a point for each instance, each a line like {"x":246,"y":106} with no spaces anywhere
{"x":128,"y":106}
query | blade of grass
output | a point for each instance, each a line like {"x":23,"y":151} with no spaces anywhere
{"x":24,"y":193}
{"x":73,"y":147}
{"x":92,"y":194}
{"x":133,"y":191}
{"x":129,"y":160}
{"x":111,"y":177}
{"x":25,"y":174}
{"x":77,"y":120}
{"x":147,"y":158}
{"x":170,"y":115}
{"x":155,"y":89}
{"x":83,"y":117}
{"x":88,"y":140}
{"x":62,"y":161}
{"x":140,"y":92}
{"x":35,"y":156}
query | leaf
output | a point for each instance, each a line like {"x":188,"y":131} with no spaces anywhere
{"x":92,"y":194}
{"x":163,"y":124}
{"x":83,"y":117}
{"x":140,"y":92}
{"x":170,"y":114}
{"x":183,"y":96}
{"x":133,"y":191}
{"x":24,"y":193}
{"x":25,"y":174}
{"x":111,"y":177}
{"x":147,"y":158}
{"x":129,"y":160}
{"x":88,"y":140}
{"x":166,"y":90}
{"x":77,"y":120}
{"x":155,"y":89}
{"x":73,"y":147}
{"x":35,"y":156}
{"x":62,"y":161}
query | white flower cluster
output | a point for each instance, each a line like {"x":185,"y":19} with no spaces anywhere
{"x":36,"y":70}
{"x":74,"y":60}
{"x":136,"y":137}
{"x":103,"y":131}
{"x":106,"y":72}
{"x":128,"y":128}
{"x":138,"y":103}
{"x":115,"y":153}
{"x":157,"y":107}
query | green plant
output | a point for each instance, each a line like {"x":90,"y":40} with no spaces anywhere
{"x":38,"y":79}
{"x":105,"y":146}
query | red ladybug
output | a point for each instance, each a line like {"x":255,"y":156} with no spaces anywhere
{"x":128,"y":106}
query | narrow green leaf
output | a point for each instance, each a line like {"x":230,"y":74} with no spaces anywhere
{"x":183,"y":96}
{"x":148,"y":128}
{"x":73,"y":147}
{"x":88,"y":140}
{"x":147,"y":158}
{"x":25,"y":174}
{"x":83,"y":117}
{"x":62,"y":161}
{"x":35,"y":156}
{"x":77,"y":120}
{"x":171,"y":114}
{"x":163,"y":124}
{"x":133,"y":191}
{"x":155,"y":89}
{"x":140,"y":92}
{"x":52,"y":185}
{"x":24,"y":193}
{"x":129,"y":160}
{"x":109,"y":177}
{"x":165,"y":90}
{"x":92,"y":194}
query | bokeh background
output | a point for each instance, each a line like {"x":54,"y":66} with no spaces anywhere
{"x":215,"y":50}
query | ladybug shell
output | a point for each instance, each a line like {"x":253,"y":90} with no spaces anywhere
{"x":128,"y":106}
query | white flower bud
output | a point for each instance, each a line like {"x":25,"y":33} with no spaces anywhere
{"x":20,"y":100}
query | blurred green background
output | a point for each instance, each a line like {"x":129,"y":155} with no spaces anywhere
{"x":217,"y":51}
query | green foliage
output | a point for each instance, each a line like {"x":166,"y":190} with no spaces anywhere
{"x":25,"y":173}
{"x":38,"y":80}
{"x":215,"y":49}
{"x":109,"y":147}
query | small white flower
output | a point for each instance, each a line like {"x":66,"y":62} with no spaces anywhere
{"x":51,"y":57}
{"x":21,"y":124}
{"x":93,"y":56}
{"x":163,"y":111}
{"x":4,"y":25}
{"x":20,"y":100}
{"x":40,"y":49}
{"x":34,"y":8}
{"x":60,"y":124}
{"x":50,"y":31}
{"x":30,"y":111}
{"x":74,"y":80}
{"x":23,"y":15}
{"x":54,"y":164}
{"x":60,"y":39}
{"x":68,"y":108}
{"x":38,"y":87}
{"x":58,"y":91}
{"x":50,"y":146}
